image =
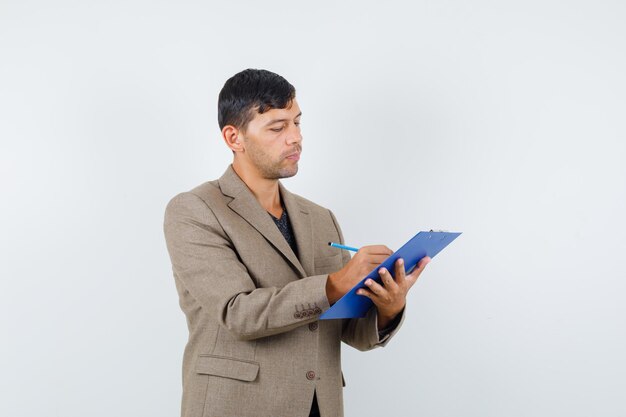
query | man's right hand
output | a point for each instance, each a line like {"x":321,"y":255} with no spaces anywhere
{"x":361,"y":264}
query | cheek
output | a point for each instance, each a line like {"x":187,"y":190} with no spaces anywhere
{"x":265,"y":153}
{"x":275,"y":149}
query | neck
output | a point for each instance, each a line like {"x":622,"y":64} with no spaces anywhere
{"x":265,"y":190}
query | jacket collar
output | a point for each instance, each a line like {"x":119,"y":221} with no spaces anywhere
{"x":247,"y":206}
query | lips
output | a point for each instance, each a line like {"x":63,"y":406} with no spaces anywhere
{"x":294,"y":156}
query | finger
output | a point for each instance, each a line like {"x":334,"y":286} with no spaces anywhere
{"x":378,"y":302}
{"x":388,"y":251}
{"x":400,"y":278}
{"x":376,"y":250}
{"x":388,"y":281}
{"x":366,"y":293}
{"x":413,"y":276}
{"x":372,"y":268}
{"x":373,"y":265}
{"x":377,"y":259}
{"x":376,"y":288}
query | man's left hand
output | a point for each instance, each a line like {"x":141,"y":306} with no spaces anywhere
{"x":390,"y":298}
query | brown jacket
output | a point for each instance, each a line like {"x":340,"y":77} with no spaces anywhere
{"x":256,"y":347}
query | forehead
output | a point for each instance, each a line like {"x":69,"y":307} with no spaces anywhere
{"x":289,"y":113}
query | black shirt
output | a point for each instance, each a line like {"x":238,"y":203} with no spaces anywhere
{"x":284,"y":226}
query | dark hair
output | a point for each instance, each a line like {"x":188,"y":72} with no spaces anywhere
{"x":250,"y":91}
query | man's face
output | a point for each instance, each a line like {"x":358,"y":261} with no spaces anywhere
{"x":273,"y":142}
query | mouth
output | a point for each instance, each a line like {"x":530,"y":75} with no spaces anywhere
{"x":294,"y":156}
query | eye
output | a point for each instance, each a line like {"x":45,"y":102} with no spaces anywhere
{"x":278,"y":129}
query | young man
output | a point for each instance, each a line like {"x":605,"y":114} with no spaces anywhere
{"x":254,"y":271}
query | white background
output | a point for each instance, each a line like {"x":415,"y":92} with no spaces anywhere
{"x":503,"y":120}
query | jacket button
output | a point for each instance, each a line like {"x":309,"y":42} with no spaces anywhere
{"x":310,"y":375}
{"x":313,"y":326}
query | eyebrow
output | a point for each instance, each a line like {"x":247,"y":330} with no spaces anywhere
{"x":271,"y":122}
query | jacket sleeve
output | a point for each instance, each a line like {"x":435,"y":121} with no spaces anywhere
{"x":362,"y":333}
{"x":208,"y":267}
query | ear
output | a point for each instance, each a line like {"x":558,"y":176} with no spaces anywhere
{"x":233,"y":138}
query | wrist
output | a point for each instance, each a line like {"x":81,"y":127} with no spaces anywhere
{"x":333,"y":293}
{"x":385,"y":318}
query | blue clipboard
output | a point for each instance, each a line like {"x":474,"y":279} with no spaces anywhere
{"x":422,"y":244}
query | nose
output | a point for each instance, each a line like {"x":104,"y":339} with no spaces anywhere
{"x":294,"y":136}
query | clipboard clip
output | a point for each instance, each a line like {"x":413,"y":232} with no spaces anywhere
{"x":438,"y":231}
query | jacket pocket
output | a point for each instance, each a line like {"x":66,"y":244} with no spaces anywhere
{"x":225,"y":367}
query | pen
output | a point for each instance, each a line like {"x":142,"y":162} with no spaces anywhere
{"x":337,"y":245}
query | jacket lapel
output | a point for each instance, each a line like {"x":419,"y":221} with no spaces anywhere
{"x":246,"y":205}
{"x":302,"y":228}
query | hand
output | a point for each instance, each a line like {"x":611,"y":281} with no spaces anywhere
{"x":390,"y":298}
{"x":361,"y":264}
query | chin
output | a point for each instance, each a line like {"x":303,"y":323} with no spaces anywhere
{"x":287,"y":173}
